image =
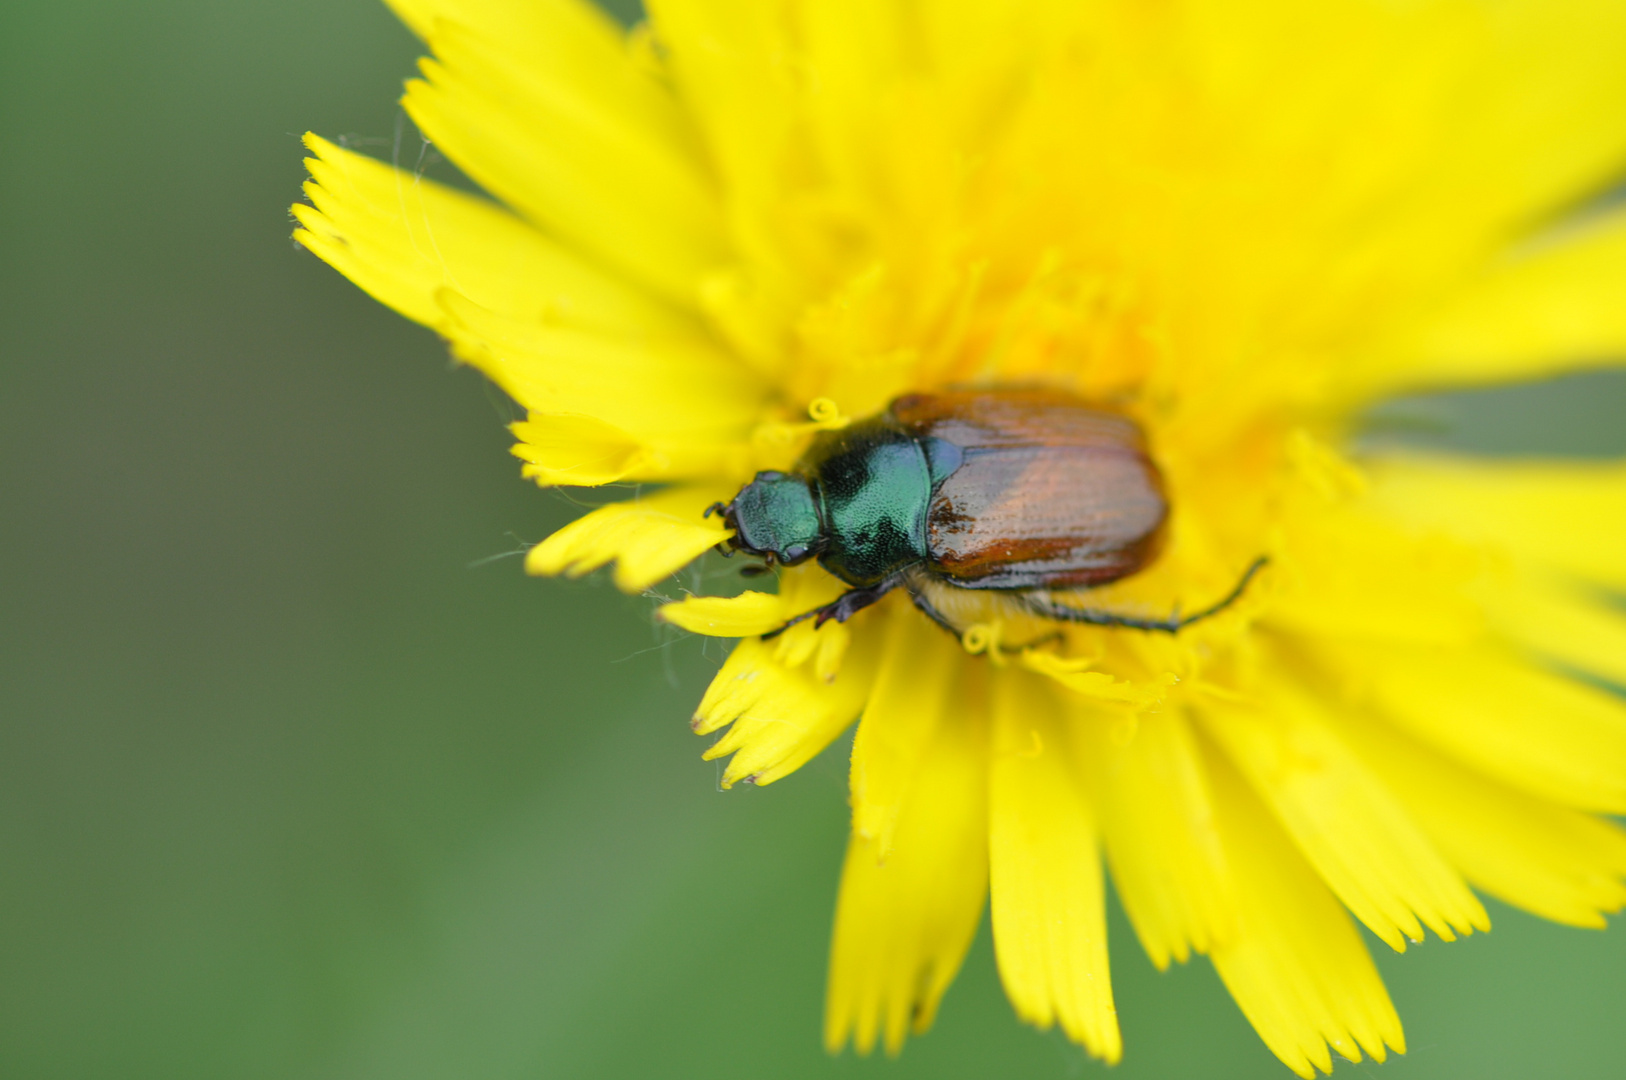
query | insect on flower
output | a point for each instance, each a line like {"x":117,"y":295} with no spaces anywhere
{"x":1019,"y":495}
{"x":927,"y":212}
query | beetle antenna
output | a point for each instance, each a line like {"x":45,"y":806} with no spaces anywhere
{"x":716,"y":508}
{"x":1173,"y":624}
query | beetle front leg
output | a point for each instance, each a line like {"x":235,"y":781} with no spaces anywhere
{"x":841,"y":608}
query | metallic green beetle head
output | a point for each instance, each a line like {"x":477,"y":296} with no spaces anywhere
{"x":774,"y":516}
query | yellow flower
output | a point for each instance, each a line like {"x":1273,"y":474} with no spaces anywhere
{"x":1241,"y":222}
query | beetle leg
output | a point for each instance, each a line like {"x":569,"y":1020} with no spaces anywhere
{"x":842,"y":607}
{"x":930,"y":611}
{"x":1174,"y":623}
{"x":853,"y":601}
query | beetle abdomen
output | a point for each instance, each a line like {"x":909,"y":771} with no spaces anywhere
{"x":1049,"y":492}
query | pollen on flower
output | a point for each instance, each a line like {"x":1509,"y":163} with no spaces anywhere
{"x":826,"y":414}
{"x":980,"y":638}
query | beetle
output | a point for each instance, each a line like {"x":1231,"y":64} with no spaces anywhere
{"x":995,"y":496}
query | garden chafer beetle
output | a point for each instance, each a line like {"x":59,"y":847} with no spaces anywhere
{"x":1016,"y":495}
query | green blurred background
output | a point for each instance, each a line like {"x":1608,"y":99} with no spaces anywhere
{"x":301,"y":778}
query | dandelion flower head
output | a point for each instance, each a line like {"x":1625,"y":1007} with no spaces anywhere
{"x":1239,"y":224}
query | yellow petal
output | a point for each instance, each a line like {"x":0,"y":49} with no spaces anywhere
{"x":857,"y":51}
{"x":552,"y":113}
{"x":582,"y":451}
{"x":1557,"y":307}
{"x":647,"y":538}
{"x":982,"y":52}
{"x":733,"y":64}
{"x":1548,"y":109}
{"x":1350,"y":827}
{"x":1545,"y":83}
{"x":1049,"y":916}
{"x":668,"y":392}
{"x":832,"y":650}
{"x":1158,"y":823}
{"x":1557,"y":515}
{"x":745,"y":615}
{"x":918,"y":690}
{"x":552,"y":326}
{"x":803,"y":589}
{"x":1542,"y":733}
{"x":404,"y":238}
{"x":1579,"y":630}
{"x":1080,"y":675}
{"x":1571,"y":50}
{"x":509,"y":17}
{"x":903,"y":924}
{"x":573,"y":449}
{"x":781,"y":716}
{"x":736,"y":66}
{"x":1348,"y":571}
{"x":1545,"y":858}
{"x":1296,"y":964}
